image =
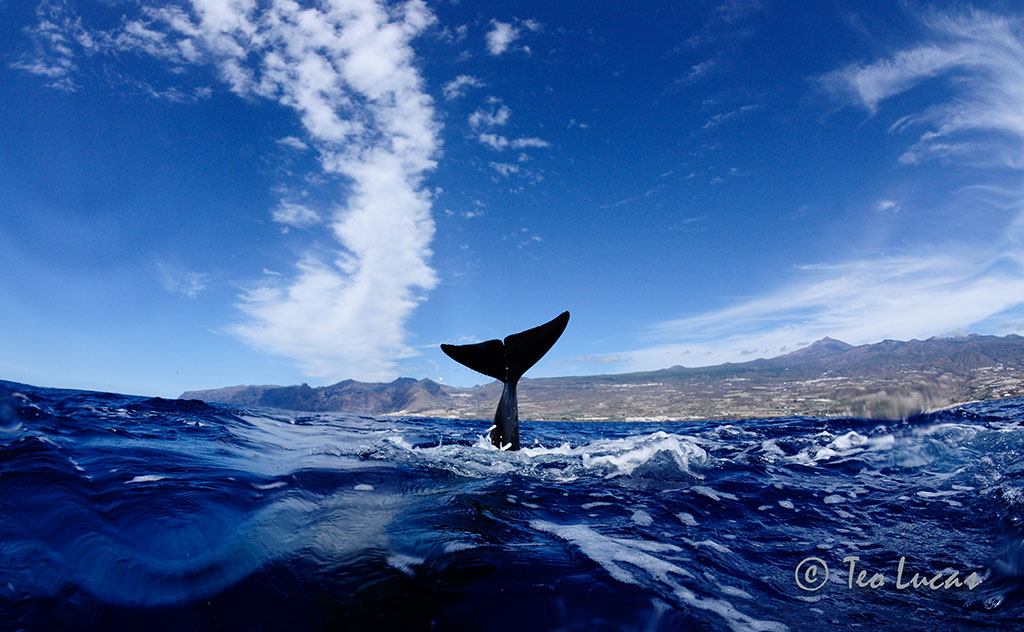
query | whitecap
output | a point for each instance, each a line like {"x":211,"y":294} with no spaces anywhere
{"x":642,"y":518}
{"x":147,"y":478}
{"x":712,"y":494}
{"x":687,"y":519}
{"x":405,"y":563}
{"x":928,"y":494}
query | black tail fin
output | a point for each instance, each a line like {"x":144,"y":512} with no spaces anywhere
{"x":525,"y":348}
{"x":483,"y":357}
{"x":507,"y":362}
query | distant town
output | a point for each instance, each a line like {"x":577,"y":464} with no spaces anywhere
{"x":887,"y":380}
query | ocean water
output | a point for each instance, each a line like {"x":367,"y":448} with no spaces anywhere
{"x":127,"y":513}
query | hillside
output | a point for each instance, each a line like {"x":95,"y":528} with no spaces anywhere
{"x":886,"y":379}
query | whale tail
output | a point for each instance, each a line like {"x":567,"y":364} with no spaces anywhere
{"x":507,"y":360}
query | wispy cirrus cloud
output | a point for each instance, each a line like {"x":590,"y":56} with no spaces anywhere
{"x":872,"y":83}
{"x":856,"y":301}
{"x":887,"y":206}
{"x":458,"y":86}
{"x":295,"y":215}
{"x":505,"y":168}
{"x":349,"y":73}
{"x":919,"y":292}
{"x":981,"y":57}
{"x":722,"y":117}
{"x":56,"y":38}
{"x":177,"y":279}
{"x":698,"y":72}
{"x":292,"y":142}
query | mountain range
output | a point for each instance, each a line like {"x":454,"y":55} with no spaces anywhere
{"x":889,"y":379}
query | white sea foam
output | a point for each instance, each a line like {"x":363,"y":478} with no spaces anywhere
{"x":455,"y":546}
{"x":734,"y":592}
{"x":642,"y":518}
{"x":711,"y":544}
{"x":687,"y":519}
{"x":825,"y":453}
{"x":927,"y":494}
{"x":656,"y":454}
{"x":147,"y":478}
{"x":627,"y":560}
{"x":405,"y":563}
{"x":624,"y":456}
{"x":771,"y":449}
{"x":703,"y":490}
{"x":849,"y":440}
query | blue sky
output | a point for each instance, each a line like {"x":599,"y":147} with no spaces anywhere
{"x":208,"y":193}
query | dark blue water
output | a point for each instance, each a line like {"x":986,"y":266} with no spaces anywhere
{"x":128,"y":513}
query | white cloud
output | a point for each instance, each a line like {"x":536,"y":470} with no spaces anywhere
{"x":499,"y":116}
{"x":917,"y":294}
{"x":982,"y":57}
{"x":494,"y":141}
{"x":504,"y":168}
{"x":176,"y":279}
{"x":500,"y":37}
{"x":698,"y":72}
{"x":887,"y":205}
{"x":348,"y":72}
{"x":295,"y":215}
{"x":857,"y":301}
{"x":872,"y":83}
{"x":498,"y":142}
{"x":453,"y":36}
{"x":532,"y":25}
{"x":590,"y":359}
{"x":346,"y":318}
{"x":55,"y":42}
{"x":292,"y":142}
{"x":172,"y":94}
{"x":522,"y":143}
{"x":718,"y":119}
{"x":459,"y":85}
{"x":494,"y":118}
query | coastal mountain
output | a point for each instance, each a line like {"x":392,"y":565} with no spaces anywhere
{"x":889,"y":379}
{"x":404,"y":394}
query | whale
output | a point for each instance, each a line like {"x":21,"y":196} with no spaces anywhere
{"x":507,"y":360}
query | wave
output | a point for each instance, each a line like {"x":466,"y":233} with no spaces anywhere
{"x":126,"y":512}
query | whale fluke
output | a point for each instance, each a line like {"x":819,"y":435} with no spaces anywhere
{"x":507,"y":361}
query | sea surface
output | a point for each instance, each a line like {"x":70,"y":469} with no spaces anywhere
{"x":128,"y":513}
